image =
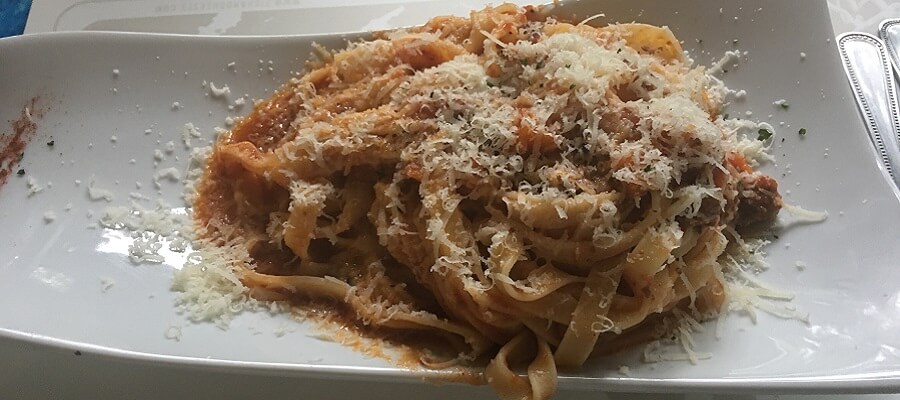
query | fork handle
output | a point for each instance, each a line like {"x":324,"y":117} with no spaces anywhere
{"x":869,"y":72}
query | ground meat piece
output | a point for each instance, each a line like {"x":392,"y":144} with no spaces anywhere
{"x":758,"y":200}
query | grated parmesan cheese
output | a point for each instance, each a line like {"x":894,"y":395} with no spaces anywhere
{"x":188,"y":132}
{"x":171,"y":174}
{"x":96,"y":194}
{"x":173,"y":332}
{"x":138,"y":196}
{"x":33,"y":186}
{"x":718,"y":67}
{"x":218,"y":92}
{"x":680,"y":346}
{"x":210,"y":287}
{"x":804,"y":215}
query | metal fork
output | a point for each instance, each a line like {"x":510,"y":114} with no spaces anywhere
{"x":866,"y":63}
{"x":889,"y":32}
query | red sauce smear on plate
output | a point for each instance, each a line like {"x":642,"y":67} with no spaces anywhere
{"x":12,"y":145}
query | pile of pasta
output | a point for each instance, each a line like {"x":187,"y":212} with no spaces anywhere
{"x":526,"y":191}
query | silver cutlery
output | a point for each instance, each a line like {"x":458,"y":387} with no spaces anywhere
{"x":889,"y":32}
{"x":865,"y":59}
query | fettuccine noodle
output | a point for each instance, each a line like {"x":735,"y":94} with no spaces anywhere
{"x":530,"y":192}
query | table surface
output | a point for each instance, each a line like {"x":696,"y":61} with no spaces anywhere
{"x":861,"y":15}
{"x":152,"y":15}
{"x":44,"y":373}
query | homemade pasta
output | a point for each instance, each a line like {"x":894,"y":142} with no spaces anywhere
{"x":522,"y":191}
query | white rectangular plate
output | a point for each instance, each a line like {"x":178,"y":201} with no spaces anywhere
{"x":52,"y":272}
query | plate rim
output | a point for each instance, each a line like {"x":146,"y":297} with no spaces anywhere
{"x":868,"y":383}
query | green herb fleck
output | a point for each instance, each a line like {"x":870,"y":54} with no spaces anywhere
{"x":572,"y":86}
{"x":51,"y":143}
{"x":802,"y":132}
{"x":647,"y":169}
{"x":764,"y":134}
{"x":490,"y":84}
{"x":784,"y":105}
{"x":568,"y":65}
{"x":725,"y":116}
{"x":20,"y":172}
